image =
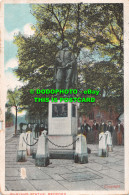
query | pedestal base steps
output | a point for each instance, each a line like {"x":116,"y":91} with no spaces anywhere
{"x":60,"y":154}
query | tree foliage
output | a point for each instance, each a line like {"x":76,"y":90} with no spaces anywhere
{"x":9,"y":116}
{"x":97,"y":28}
{"x":14,"y":100}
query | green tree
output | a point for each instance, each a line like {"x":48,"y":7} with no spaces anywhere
{"x":94,"y":27}
{"x":9,"y":116}
{"x":13,"y":97}
{"x":105,"y":32}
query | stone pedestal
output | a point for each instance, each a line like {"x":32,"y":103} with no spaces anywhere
{"x":109,"y":141}
{"x":42,"y":155}
{"x":21,"y":156}
{"x":21,"y":152}
{"x":62,"y":124}
{"x":103,"y":152}
{"x":29,"y":140}
{"x":81,"y":154}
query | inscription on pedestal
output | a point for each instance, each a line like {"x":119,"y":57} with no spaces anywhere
{"x":59,"y":110}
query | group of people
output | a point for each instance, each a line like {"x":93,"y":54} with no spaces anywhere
{"x":103,"y":127}
{"x":35,"y":128}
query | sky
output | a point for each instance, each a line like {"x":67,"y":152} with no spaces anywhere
{"x":17,"y":18}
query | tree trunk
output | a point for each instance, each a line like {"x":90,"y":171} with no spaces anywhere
{"x":16,"y":122}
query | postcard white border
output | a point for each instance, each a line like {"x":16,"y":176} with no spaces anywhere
{"x":126,"y":93}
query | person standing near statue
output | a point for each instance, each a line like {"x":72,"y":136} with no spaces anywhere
{"x":65,"y":67}
{"x":95,"y":129}
{"x":85,"y":128}
{"x":120,"y":132}
{"x":110,"y":127}
{"x":37,"y":130}
{"x":103,"y":126}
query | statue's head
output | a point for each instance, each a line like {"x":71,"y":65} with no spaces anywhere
{"x":65,"y":44}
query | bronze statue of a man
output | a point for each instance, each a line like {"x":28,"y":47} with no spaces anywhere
{"x":65,"y":67}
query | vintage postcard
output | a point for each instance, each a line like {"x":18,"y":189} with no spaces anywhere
{"x":64,"y":96}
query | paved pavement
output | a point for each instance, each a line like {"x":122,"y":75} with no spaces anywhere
{"x":100,"y":173}
{"x":9,"y":132}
